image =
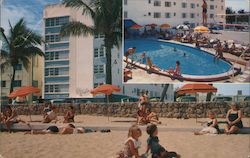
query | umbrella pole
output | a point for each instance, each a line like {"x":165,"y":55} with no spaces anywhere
{"x":107,"y":106}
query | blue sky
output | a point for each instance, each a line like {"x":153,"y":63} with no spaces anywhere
{"x":31,"y":10}
{"x":228,"y":89}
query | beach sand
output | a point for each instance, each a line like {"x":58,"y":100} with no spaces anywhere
{"x":106,"y":145}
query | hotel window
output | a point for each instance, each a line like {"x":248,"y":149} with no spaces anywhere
{"x":192,"y":5}
{"x":125,"y":14}
{"x":174,"y":14}
{"x":3,"y":83}
{"x":211,"y":7}
{"x":47,"y":72}
{"x":174,"y":3}
{"x":211,"y":15}
{"x":17,"y":83}
{"x":167,"y":15}
{"x":222,"y":8}
{"x":96,"y":36}
{"x":96,"y":52}
{"x":98,"y":69}
{"x":157,"y":15}
{"x":18,"y":67}
{"x":157,"y":3}
{"x":198,"y":14}
{"x":184,"y":15}
{"x":222,"y":0}
{"x":56,"y":21}
{"x":95,"y":69}
{"x":47,"y":88}
{"x":125,"y":2}
{"x":198,"y":5}
{"x":212,"y":0}
{"x":167,"y":4}
{"x":149,"y":1}
{"x":184,"y":5}
{"x":101,"y":53}
{"x":101,"y":68}
{"x":192,"y":15}
{"x":149,"y":13}
{"x":101,"y":36}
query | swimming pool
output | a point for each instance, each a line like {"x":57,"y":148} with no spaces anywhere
{"x":164,"y":54}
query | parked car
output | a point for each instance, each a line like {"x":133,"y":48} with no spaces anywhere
{"x":186,"y":99}
{"x":222,"y":99}
{"x":216,"y":28}
{"x":247,"y":98}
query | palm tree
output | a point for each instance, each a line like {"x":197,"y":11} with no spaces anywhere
{"x":22,"y":44}
{"x":107,"y":20}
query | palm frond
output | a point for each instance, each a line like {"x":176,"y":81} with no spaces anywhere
{"x":4,"y":54}
{"x":76,"y":28}
{"x":79,"y":4}
{"x":25,"y":61}
{"x":6,"y":64}
{"x":31,"y":51}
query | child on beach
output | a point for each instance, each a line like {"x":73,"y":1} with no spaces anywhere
{"x":212,"y":126}
{"x":132,"y":144}
{"x":157,"y":150}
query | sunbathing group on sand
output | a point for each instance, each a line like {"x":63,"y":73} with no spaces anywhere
{"x":233,"y":122}
{"x":132,"y":144}
{"x":10,"y":116}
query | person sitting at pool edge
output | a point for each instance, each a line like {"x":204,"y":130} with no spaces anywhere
{"x":177,"y":70}
{"x":151,"y":66}
{"x":130,"y":52}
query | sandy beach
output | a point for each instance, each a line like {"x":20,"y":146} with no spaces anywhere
{"x":106,"y":145}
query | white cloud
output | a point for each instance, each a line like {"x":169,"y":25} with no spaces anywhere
{"x":14,"y":14}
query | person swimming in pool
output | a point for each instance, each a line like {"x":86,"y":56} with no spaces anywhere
{"x":175,"y":49}
{"x":204,"y":12}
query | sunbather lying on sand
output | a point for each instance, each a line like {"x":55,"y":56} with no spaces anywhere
{"x":68,"y":129}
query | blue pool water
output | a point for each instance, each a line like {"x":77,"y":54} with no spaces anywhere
{"x":165,"y":54}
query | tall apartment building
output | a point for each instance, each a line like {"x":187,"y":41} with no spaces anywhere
{"x":173,"y":12}
{"x":75,"y":65}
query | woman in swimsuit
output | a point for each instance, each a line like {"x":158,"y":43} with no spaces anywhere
{"x":12,"y":118}
{"x":234,"y":123}
{"x":204,"y":12}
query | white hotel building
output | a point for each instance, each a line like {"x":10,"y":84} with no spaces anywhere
{"x":75,"y":65}
{"x":173,"y":12}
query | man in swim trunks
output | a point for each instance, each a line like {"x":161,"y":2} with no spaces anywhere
{"x":204,"y":12}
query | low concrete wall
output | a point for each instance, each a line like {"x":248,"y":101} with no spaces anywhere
{"x":170,"y":110}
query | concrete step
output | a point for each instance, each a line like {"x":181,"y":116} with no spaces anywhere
{"x":24,"y":127}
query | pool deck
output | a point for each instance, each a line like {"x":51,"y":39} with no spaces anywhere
{"x":140,"y":75}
